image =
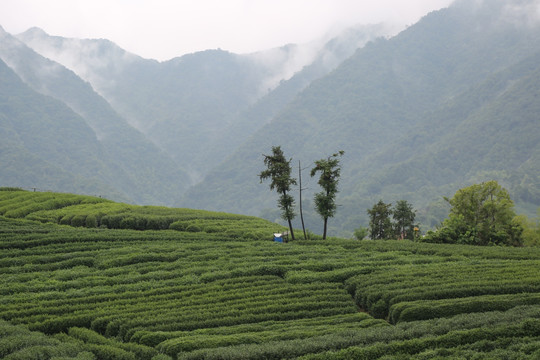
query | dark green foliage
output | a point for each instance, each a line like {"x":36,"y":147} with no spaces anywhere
{"x":325,"y":201}
{"x":481,"y":214}
{"x":380,"y":225}
{"x":404,"y":216}
{"x":92,"y":212}
{"x":19,"y":343}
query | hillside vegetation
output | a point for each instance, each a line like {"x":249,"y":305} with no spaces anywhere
{"x":229,"y":292}
{"x":448,"y":102}
{"x":58,"y":133}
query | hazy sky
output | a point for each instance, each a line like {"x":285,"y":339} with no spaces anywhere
{"x":162,"y":29}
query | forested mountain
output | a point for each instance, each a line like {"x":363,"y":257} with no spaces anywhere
{"x":89,"y":143}
{"x":201,"y":106}
{"x":449,"y":101}
{"x":44,"y":142}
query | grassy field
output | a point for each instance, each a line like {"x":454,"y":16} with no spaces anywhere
{"x":81,"y":280}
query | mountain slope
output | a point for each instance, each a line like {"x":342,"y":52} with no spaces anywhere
{"x":334,"y":52}
{"x":143,"y":172}
{"x":490,"y":131}
{"x":45,"y":144}
{"x":199,"y":107}
{"x":384,"y":93}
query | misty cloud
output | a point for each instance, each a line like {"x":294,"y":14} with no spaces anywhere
{"x":92,"y":60}
{"x":164,"y":29}
{"x":522,"y":13}
{"x":329,"y":51}
{"x":517,"y":13}
{"x":282,"y":63}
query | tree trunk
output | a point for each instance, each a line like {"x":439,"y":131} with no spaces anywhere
{"x":325,"y":225}
{"x":290,"y":229}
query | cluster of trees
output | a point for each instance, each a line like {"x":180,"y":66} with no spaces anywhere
{"x":381,"y":225}
{"x":278,"y":169}
{"x":480,"y":214}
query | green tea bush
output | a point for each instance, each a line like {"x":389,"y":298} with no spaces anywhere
{"x":91,"y":221}
{"x":7,"y":188}
{"x":66,"y":219}
{"x":108,"y":352}
{"x":78,"y":221}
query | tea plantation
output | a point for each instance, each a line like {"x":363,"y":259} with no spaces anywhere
{"x":86,"y":278}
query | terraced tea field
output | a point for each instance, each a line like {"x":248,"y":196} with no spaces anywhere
{"x":80,"y":279}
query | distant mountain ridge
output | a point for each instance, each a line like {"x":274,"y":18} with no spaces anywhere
{"x":188,"y":103}
{"x":190,"y":112}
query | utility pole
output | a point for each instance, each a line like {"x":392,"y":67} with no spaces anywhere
{"x":301,"y":213}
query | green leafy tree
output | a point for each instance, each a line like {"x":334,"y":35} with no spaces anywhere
{"x":481,"y":214}
{"x":531,"y":233}
{"x":279,"y":171}
{"x":404,"y":217}
{"x":325,"y":201}
{"x":531,"y":229}
{"x":380,"y":226}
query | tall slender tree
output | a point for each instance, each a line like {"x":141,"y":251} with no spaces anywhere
{"x":278,"y":169}
{"x":380,"y":226}
{"x":404,"y":216}
{"x":325,"y":201}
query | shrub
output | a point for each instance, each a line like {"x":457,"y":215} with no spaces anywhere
{"x":91,"y":221}
{"x":78,"y":220}
{"x":162,"y":357}
{"x":178,"y":226}
{"x":108,"y":352}
{"x":66,"y":219}
{"x":193,"y":228}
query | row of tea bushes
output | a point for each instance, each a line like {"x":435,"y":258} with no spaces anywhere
{"x":19,"y":343}
{"x":419,"y":339}
{"x":19,"y":204}
{"x":519,"y":339}
{"x":432,"y":290}
{"x":93,"y":212}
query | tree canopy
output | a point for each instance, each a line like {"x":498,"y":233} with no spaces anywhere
{"x":481,"y":214}
{"x":404,"y":216}
{"x":325,"y":201}
{"x":380,"y":226}
{"x":279,"y":171}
